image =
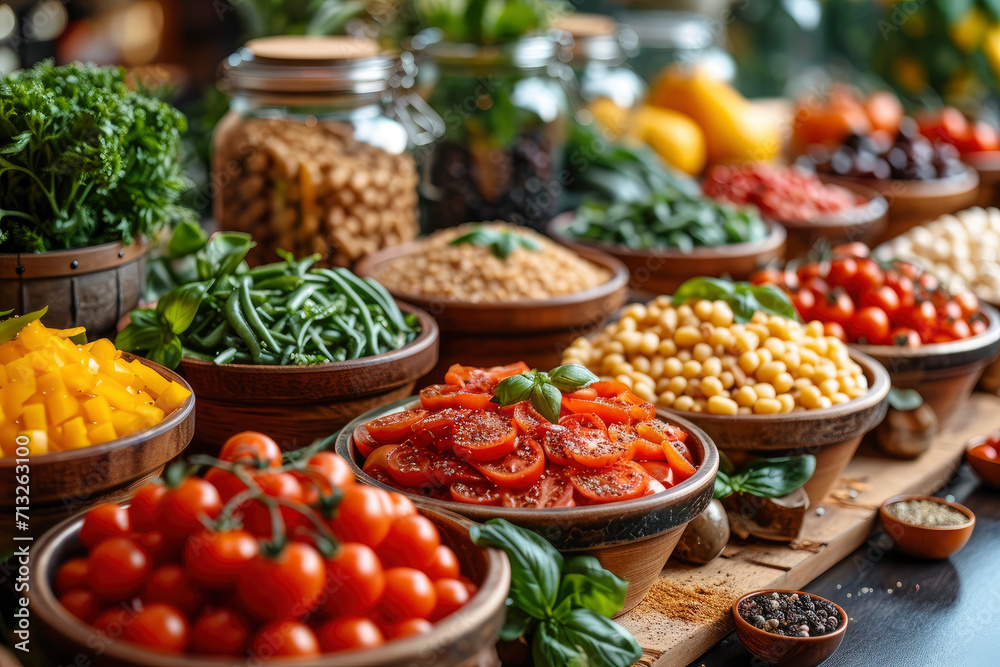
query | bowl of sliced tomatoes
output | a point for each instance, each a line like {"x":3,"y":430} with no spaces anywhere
{"x":608,"y":475}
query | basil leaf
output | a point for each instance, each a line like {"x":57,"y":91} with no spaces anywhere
{"x":703,"y":288}
{"x":138,"y":338}
{"x":177,"y":308}
{"x":504,"y":246}
{"x":168,"y":353}
{"x":188,"y":238}
{"x":587,"y":584}
{"x":547,"y":400}
{"x":514,"y":389}
{"x":223,"y":254}
{"x":905,"y":400}
{"x":518,"y":623}
{"x":773,"y":478}
{"x":144,"y":317}
{"x":604,"y":642}
{"x":551,"y":647}
{"x":774,"y":301}
{"x":6,"y":312}
{"x":571,"y":377}
{"x":12,"y":326}
{"x":723,"y":486}
{"x":535,"y":564}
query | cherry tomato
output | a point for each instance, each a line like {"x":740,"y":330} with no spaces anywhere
{"x":870,"y":326}
{"x":113,"y":621}
{"x":855,"y":249}
{"x":71,"y":575}
{"x":408,"y":593}
{"x":869,"y":275}
{"x":442,"y":396}
{"x":842,"y":270}
{"x":361,"y":516}
{"x":225,"y":482}
{"x":956,"y":329}
{"x":528,"y":420}
{"x":409,"y":628}
{"x":286,"y":586}
{"x":902,"y":286}
{"x":444,"y":565}
{"x":660,"y":472}
{"x":552,"y":490}
{"x":805,"y":303}
{"x":159,"y":626}
{"x":352,"y":632}
{"x":412,"y":542}
{"x":220,"y":631}
{"x":768,"y":276}
{"x":355,"y":580}
{"x":363,"y":441}
{"x":929,"y":283}
{"x":144,"y":506}
{"x":400,"y":506}
{"x":395,"y":427}
{"x":483,"y":436}
{"x":518,"y":470}
{"x":451,"y":595}
{"x":256,"y":515}
{"x":978,"y":324}
{"x":81,"y":603}
{"x":622,"y":481}
{"x":183,"y":508}
{"x":324,"y":472}
{"x":117,"y":568}
{"x":904,"y":337}
{"x":104,"y":521}
{"x":214,"y":559}
{"x":170,"y":584}
{"x":156,"y":546}
{"x":252,"y":448}
{"x":286,"y":639}
{"x":967,"y":301}
{"x":837,"y":306}
{"x":411,"y":466}
{"x":818,"y":287}
{"x":883,"y":297}
{"x":481,"y":493}
{"x":922,"y":317}
{"x":948,"y":309}
{"x":835,"y":329}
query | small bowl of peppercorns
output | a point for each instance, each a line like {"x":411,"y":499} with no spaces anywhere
{"x":789,"y":627}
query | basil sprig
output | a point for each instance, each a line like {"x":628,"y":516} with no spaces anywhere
{"x":563,"y":607}
{"x":744,"y":298}
{"x":767,"y":478}
{"x":543,"y":390}
{"x":501,"y":242}
{"x":10,"y":327}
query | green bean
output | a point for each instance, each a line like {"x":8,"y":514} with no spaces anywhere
{"x":303,"y":332}
{"x":388,"y":304}
{"x":352,"y":297}
{"x":299,"y":296}
{"x":241,"y":327}
{"x":225,"y":356}
{"x":279,"y":283}
{"x":213,"y":339}
{"x":320,"y":345}
{"x":265,"y":271}
{"x":253,"y":318}
{"x":194,"y":354}
{"x":356,"y":337}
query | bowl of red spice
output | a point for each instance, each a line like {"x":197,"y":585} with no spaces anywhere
{"x":983,"y":453}
{"x":925,"y":526}
{"x":799,"y":201}
{"x":789,"y":627}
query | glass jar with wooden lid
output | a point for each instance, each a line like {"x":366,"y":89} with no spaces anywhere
{"x":599,"y":58}
{"x":308,"y":159}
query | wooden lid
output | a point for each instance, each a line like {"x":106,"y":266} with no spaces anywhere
{"x":306,"y":48}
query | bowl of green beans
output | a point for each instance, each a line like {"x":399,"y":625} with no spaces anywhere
{"x":289,"y":348}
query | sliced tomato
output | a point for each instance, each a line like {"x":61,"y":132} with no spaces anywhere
{"x":640,"y":449}
{"x":638,"y":409}
{"x":483,"y":436}
{"x":442,"y":396}
{"x":410,"y":465}
{"x":608,"y":388}
{"x":482,"y":379}
{"x":682,"y":467}
{"x":587,"y":394}
{"x":449,"y":469}
{"x":587,"y":443}
{"x":482,"y":493}
{"x":436,"y":427}
{"x":622,"y":481}
{"x":378,"y":461}
{"x":551,"y":439}
{"x":364,"y":442}
{"x":658,"y":432}
{"x":609,"y":410}
{"x":660,"y":472}
{"x":528,"y":419}
{"x":553,"y":489}
{"x":519,"y":469}
{"x":395,"y":427}
{"x":653,"y":487}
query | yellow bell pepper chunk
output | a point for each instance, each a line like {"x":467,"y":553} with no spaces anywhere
{"x":3,"y":376}
{"x":97,"y":410}
{"x":78,"y":378}
{"x":14,"y":397}
{"x":68,"y":333}
{"x":33,"y":417}
{"x":100,"y":433}
{"x":125,"y":423}
{"x":149,"y":415}
{"x":102,"y":349}
{"x":119,"y":371}
{"x":8,"y":437}
{"x":34,"y":336}
{"x":173,"y":397}
{"x":61,"y":407}
{"x":116,"y":394}
{"x":21,"y":370}
{"x":51,"y":383}
{"x":38,"y":441}
{"x":10,"y":351}
{"x":75,"y":434}
{"x":155,"y":383}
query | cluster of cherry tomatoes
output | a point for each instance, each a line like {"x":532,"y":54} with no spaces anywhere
{"x":259,"y":559}
{"x":950,"y":126}
{"x":862,"y":300}
{"x":607,"y":446}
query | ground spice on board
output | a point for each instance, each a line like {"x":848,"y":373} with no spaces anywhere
{"x":694,"y":604}
{"x":927,"y":513}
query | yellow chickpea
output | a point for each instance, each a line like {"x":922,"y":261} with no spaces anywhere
{"x":701,"y":352}
{"x":656,"y":364}
{"x":711,"y":386}
{"x":746,"y":341}
{"x":857,"y":392}
{"x":779,"y":327}
{"x":787,"y":402}
{"x":809,"y":397}
{"x":668,"y":347}
{"x":718,"y":405}
{"x":839,"y":398}
{"x":770,"y":370}
{"x":764,"y":390}
{"x":668,"y":319}
{"x":759,"y":329}
{"x":814,"y":329}
{"x":806,"y":370}
{"x":802,"y":383}
{"x":703,"y":310}
{"x":653,"y":312}
{"x":783,"y":383}
{"x":791,"y":357}
{"x":691,"y":369}
{"x":749,"y":361}
{"x":666,"y":398}
{"x":677,"y":385}
{"x":684,"y":403}
{"x":641,"y":364}
{"x":644,"y":390}
{"x":745,"y":397}
{"x":613,"y":346}
{"x":817,"y":345}
{"x":629,"y":339}
{"x":700,"y":405}
{"x":745,"y":410}
{"x":825,"y":402}
{"x":687,"y":336}
{"x":775,"y":345}
{"x":684,"y":355}
{"x":693,"y":387}
{"x":722,"y":314}
{"x":711,"y":366}
{"x":626,"y":380}
{"x":662,"y":385}
{"x":829,"y":387}
{"x":765,"y":355}
{"x":825,"y":371}
{"x":767,"y":406}
{"x":721,"y":336}
{"x":649,"y":344}
{"x":636,"y":311}
{"x":672,"y":367}
{"x":627,"y":323}
{"x":728,"y":379}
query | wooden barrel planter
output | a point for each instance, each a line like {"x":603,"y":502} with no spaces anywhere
{"x":89,"y":287}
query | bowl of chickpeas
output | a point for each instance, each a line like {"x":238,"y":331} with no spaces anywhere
{"x":500,"y":292}
{"x":768,"y":387}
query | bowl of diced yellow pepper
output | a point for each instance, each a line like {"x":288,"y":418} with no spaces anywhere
{"x":82,"y":423}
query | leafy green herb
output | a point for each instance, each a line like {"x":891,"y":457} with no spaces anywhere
{"x":85,"y":160}
{"x":543,"y":390}
{"x":501,"y":242}
{"x":563,"y":606}
{"x":744,"y":298}
{"x":10,"y":327}
{"x":487,"y":21}
{"x":767,"y":478}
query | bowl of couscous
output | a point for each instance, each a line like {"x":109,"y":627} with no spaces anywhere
{"x":499,"y":291}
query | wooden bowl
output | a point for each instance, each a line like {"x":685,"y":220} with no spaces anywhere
{"x":943,"y":373}
{"x":830,"y":434}
{"x":864,"y":222}
{"x":987,"y":163}
{"x":465,"y":637}
{"x":788,"y":651}
{"x":297,"y":404}
{"x":67,"y":482}
{"x":913,"y":202}
{"x":535,"y":331}
{"x":632,"y":538}
{"x":987,"y":469}
{"x":663,"y":271}
{"x":925,"y":541}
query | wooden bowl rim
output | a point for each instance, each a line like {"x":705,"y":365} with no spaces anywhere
{"x":556,"y":228}
{"x":742,"y":623}
{"x":878,"y":391}
{"x":961,"y":183}
{"x":865,"y":213}
{"x":492,"y":593}
{"x":903,"y":497}
{"x":169,"y":423}
{"x":618,"y":280}
{"x":689,"y":488}
{"x":970,"y":344}
{"x":55,"y":263}
{"x":428,"y":336}
{"x":983,"y":161}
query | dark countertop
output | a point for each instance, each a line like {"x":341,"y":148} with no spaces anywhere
{"x":909,"y":613}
